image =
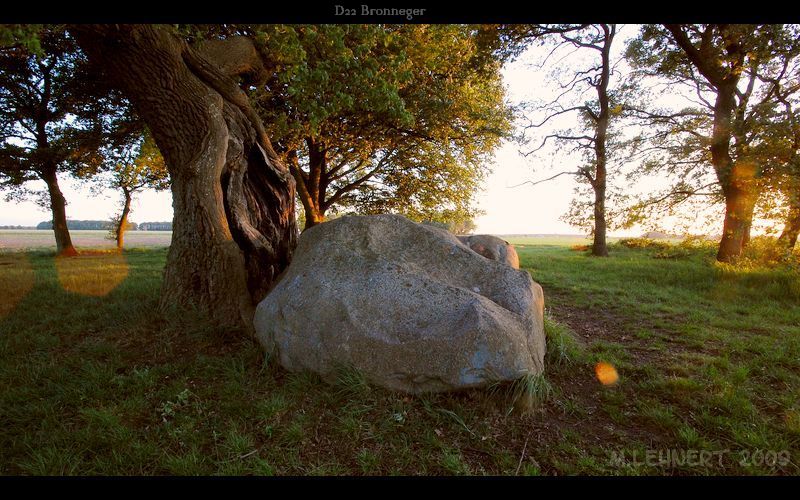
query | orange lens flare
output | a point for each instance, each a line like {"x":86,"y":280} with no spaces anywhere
{"x":92,"y":274}
{"x":16,"y":280}
{"x":606,"y":373}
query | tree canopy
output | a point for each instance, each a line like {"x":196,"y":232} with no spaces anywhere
{"x":740,"y":77}
{"x":55,"y":116}
{"x":381,"y":118}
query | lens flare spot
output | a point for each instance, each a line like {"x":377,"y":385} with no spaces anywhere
{"x":606,"y":373}
{"x":94,"y":274}
{"x":16,"y":280}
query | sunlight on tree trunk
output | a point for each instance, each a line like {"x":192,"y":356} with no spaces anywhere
{"x":58,"y":208}
{"x":122,"y":225}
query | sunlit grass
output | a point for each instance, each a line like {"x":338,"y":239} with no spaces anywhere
{"x":94,"y":274}
{"x":16,"y":280}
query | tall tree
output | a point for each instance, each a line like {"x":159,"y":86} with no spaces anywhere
{"x":135,"y":168}
{"x":234,"y":226}
{"x":387,"y":118}
{"x":594,"y":116}
{"x":52,"y":119}
{"x":782,"y":163}
{"x":734,"y":71}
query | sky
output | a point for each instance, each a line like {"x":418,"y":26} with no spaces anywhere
{"x":524,"y":209}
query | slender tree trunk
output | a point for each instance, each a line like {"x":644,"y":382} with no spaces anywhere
{"x":599,"y":247}
{"x":234,"y":227}
{"x":58,"y":208}
{"x":747,"y":226}
{"x":122,"y":225}
{"x":791,"y":227}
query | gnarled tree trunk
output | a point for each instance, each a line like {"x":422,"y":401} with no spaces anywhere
{"x":234,"y":227}
{"x":58,"y":207}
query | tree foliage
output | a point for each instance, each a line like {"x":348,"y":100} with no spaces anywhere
{"x":590,"y":135}
{"x":384,"y":118}
{"x":135,"y":167}
{"x":55,"y":116}
{"x":730,"y":143}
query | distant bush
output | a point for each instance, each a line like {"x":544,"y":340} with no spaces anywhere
{"x":673,"y":252}
{"x":690,"y":245}
{"x":644,"y":243}
{"x":764,"y":251}
{"x":698,"y":242}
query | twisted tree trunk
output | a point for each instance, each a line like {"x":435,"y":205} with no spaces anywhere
{"x":234,"y":227}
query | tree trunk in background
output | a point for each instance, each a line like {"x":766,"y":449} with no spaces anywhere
{"x":740,"y":201}
{"x":234,"y":226}
{"x":599,"y":248}
{"x":736,"y":179}
{"x":122,"y":225}
{"x":58,"y":207}
{"x":309,"y":185}
{"x":791,"y":228}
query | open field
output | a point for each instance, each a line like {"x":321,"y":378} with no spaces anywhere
{"x":95,"y":381}
{"x":33,"y":239}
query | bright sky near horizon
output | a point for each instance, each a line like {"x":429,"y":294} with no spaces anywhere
{"x":524,"y":209}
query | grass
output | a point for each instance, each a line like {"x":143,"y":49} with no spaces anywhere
{"x":95,"y":381}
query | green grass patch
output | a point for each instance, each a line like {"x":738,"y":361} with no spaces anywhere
{"x":97,"y":382}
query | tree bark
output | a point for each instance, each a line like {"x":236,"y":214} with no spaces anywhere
{"x":310,"y":186}
{"x":234,"y":227}
{"x":739,"y":205}
{"x":58,"y":208}
{"x":735,"y":178}
{"x":791,"y":228}
{"x":599,"y":247}
{"x":122,"y":225}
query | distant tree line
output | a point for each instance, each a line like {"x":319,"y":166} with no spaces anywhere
{"x":78,"y":225}
{"x":96,"y":225}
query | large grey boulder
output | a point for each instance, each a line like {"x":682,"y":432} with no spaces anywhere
{"x":492,"y":247}
{"x":406,"y":304}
